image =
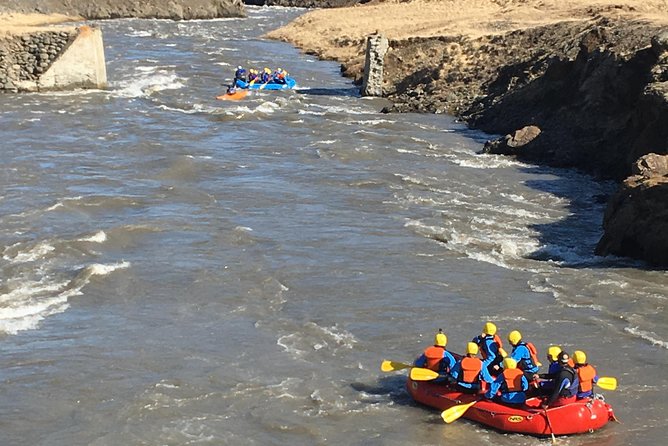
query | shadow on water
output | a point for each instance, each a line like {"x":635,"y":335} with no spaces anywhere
{"x":571,"y":241}
{"x":392,"y":386}
{"x":349,"y":92}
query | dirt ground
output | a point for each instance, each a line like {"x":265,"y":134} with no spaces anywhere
{"x":340,"y":34}
{"x":15,"y":24}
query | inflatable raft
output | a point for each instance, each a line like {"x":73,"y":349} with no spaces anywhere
{"x":271,"y":85}
{"x":585,"y":415}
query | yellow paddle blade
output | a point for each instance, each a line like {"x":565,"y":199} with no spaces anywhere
{"x":420,"y":374}
{"x":453,"y":413}
{"x":391,"y":366}
{"x":503,"y":353}
{"x":607,"y":382}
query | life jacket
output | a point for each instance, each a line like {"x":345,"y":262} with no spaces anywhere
{"x":533,"y":358}
{"x":434,"y":355}
{"x":586,"y":375}
{"x":471,"y":368}
{"x":483,"y":346}
{"x":513,"y":380}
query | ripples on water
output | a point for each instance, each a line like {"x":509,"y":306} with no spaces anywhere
{"x":178,"y":270}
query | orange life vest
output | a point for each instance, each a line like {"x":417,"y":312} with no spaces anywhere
{"x":586,"y":374}
{"x":471,"y":368}
{"x":513,"y":379}
{"x":533,"y":352}
{"x":498,"y":341}
{"x":434,"y":355}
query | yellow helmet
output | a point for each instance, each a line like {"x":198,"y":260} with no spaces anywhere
{"x":489,"y":329}
{"x":509,"y":363}
{"x":267,"y":70}
{"x":553,"y":352}
{"x":514,"y":337}
{"x":579,"y":357}
{"x":472,"y":348}
{"x":440,"y":339}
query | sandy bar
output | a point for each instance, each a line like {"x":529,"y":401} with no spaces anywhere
{"x":17,"y":24}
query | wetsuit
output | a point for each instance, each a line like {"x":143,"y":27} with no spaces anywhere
{"x":565,"y":388}
{"x":489,"y":349}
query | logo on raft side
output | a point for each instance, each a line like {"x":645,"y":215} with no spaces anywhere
{"x":515,"y":419}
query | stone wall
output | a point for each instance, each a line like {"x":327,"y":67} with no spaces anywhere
{"x":53,"y":60}
{"x":27,"y":57}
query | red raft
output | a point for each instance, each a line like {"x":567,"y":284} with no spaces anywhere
{"x":585,"y":415}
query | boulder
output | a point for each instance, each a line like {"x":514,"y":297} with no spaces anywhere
{"x":512,"y":143}
{"x":636,"y":219}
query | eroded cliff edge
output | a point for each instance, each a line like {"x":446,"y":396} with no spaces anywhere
{"x":591,"y":79}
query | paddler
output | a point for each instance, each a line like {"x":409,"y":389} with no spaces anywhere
{"x":491,"y":348}
{"x":240,"y":74}
{"x":252,"y":75}
{"x":565,"y":383}
{"x":436,"y":357}
{"x":265,"y":77}
{"x":524,"y":353}
{"x":279,"y":76}
{"x":468,"y":372}
{"x":510,"y":384}
{"x":586,"y":375}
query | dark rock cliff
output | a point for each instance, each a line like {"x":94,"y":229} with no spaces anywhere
{"x":636,"y":220}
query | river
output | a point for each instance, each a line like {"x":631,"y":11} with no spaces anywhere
{"x":178,"y":270}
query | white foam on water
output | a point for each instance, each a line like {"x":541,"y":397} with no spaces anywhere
{"x":267,"y":107}
{"x":24,"y":306}
{"x":98,"y":237}
{"x":146,"y":84}
{"x":649,"y":336}
{"x":139,"y":34}
{"x":487,"y":162}
{"x":36,"y":252}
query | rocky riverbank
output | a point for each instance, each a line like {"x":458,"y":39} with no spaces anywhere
{"x":587,"y":79}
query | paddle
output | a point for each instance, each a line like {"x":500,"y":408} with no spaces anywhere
{"x":264,"y":85}
{"x":607,"y":382}
{"x":453,"y":413}
{"x":391,"y":366}
{"x":420,"y":374}
{"x":547,"y":418}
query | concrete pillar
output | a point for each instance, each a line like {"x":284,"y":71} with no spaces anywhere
{"x":376,"y":47}
{"x":81,"y":65}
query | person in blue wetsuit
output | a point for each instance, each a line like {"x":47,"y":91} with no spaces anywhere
{"x":565,"y":383}
{"x":525,"y":354}
{"x":240,"y":74}
{"x":265,"y":77}
{"x":511,"y":384}
{"x":436,"y":357}
{"x":252,"y":76}
{"x":491,"y":348}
